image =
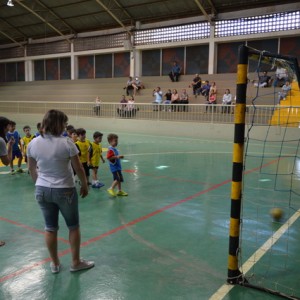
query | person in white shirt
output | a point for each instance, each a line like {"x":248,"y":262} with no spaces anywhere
{"x":158,"y":94}
{"x":5,"y":153}
{"x":226,"y":101}
{"x":50,"y":156}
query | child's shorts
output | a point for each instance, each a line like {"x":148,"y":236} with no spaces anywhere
{"x":16,"y":153}
{"x":86,"y":169}
{"x":117,"y":175}
{"x":93,"y":167}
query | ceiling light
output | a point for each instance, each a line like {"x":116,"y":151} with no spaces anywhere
{"x":10,"y":3}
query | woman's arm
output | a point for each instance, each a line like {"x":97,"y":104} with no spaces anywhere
{"x":84,"y":190}
{"x":6,"y":159}
{"x":32,"y":168}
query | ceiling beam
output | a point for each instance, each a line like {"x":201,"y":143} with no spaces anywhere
{"x":15,"y":28}
{"x":42,"y":19}
{"x":12,"y":39}
{"x":113,"y":16}
{"x":55,"y":15}
{"x":203,"y":10}
{"x":213,"y":8}
{"x":124,"y":10}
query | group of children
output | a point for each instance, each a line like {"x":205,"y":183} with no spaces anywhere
{"x":90,"y":153}
{"x":20,"y":145}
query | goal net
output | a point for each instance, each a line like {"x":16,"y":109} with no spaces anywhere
{"x":264,"y":246}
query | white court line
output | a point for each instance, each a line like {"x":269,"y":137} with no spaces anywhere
{"x":192,"y":152}
{"x":226,"y":288}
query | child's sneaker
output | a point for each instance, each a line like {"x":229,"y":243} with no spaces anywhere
{"x":20,"y":170}
{"x":112,"y":192}
{"x":95,"y":186}
{"x":100,"y":184}
{"x":12,"y":172}
{"x":122,"y":193}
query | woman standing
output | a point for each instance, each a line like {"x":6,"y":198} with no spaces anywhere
{"x":5,"y":153}
{"x":175,"y":100}
{"x":50,"y":156}
{"x":212,"y":98}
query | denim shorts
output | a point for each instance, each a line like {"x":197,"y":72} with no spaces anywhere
{"x":55,"y":200}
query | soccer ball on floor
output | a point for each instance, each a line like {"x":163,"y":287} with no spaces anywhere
{"x":276,"y":213}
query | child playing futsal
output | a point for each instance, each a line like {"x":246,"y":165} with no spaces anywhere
{"x":26,"y":140}
{"x":16,"y":152}
{"x":83,"y":146}
{"x":39,"y":129}
{"x":95,"y":154}
{"x":115,"y":165}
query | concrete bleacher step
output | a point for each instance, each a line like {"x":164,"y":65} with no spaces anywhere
{"x":111,"y":89}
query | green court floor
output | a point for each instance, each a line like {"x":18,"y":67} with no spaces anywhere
{"x":167,"y":240}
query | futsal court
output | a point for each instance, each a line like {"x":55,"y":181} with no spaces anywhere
{"x":167,"y":240}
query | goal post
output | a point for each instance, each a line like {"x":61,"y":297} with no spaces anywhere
{"x":234,"y":274}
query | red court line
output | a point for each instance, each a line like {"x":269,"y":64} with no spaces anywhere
{"x":131,"y":223}
{"x":30,"y":228}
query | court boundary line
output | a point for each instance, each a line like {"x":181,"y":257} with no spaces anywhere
{"x":131,"y":223}
{"x":30,"y":228}
{"x":257,"y":255}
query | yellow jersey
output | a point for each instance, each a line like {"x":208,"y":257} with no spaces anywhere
{"x":95,"y":154}
{"x":83,"y":148}
{"x":26,"y":140}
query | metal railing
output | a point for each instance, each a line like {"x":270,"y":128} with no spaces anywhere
{"x":179,"y":113}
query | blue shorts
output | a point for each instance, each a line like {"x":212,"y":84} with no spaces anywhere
{"x":52,"y":201}
{"x":117,"y":175}
{"x":16,"y":153}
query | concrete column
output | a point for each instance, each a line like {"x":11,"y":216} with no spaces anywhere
{"x":29,"y":76}
{"x":138,"y":63}
{"x":212,"y":55}
{"x":74,"y":63}
{"x":132,"y":62}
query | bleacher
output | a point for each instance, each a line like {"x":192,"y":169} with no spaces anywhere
{"x":111,"y":89}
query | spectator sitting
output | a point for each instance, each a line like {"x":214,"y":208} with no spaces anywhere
{"x":175,"y":72}
{"x":184,"y":99}
{"x":284,"y":91}
{"x":139,"y":84}
{"x":158,"y":94}
{"x":175,"y":99}
{"x":226,"y":101}
{"x":122,"y":107}
{"x":263,"y":80}
{"x":168,"y":96}
{"x":204,"y":90}
{"x":196,"y":84}
{"x":281,"y":76}
{"x":130,"y":85}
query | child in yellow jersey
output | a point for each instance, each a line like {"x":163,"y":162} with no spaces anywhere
{"x":83,"y":146}
{"x":95,"y":154}
{"x":26,"y":140}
